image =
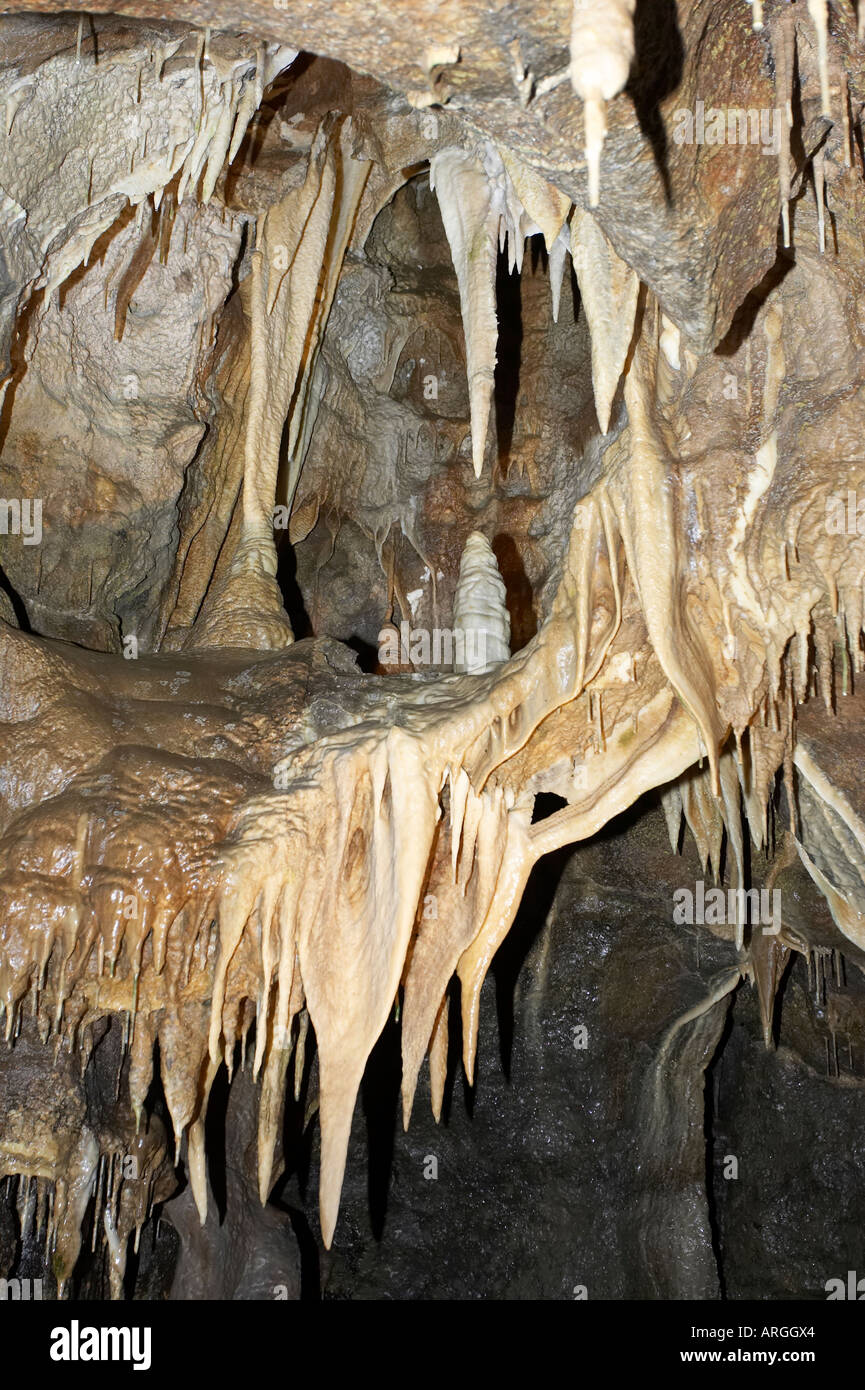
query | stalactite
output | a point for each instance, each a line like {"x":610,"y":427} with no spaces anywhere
{"x":783,"y":50}
{"x":819,"y":12}
{"x":609,"y":291}
{"x":558,"y":254}
{"x":295,"y":268}
{"x":602,"y":50}
{"x":465,"y":201}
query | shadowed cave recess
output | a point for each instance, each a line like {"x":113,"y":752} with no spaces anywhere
{"x":432,"y":501}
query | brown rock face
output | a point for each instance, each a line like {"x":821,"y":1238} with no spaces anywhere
{"x":424,"y":448}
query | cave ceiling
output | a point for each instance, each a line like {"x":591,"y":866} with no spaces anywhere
{"x":428,"y":432}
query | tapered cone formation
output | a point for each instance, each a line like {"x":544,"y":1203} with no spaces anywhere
{"x":602,"y":50}
{"x":481,"y":618}
{"x":465,"y":199}
{"x":491,"y":199}
{"x":609,"y":291}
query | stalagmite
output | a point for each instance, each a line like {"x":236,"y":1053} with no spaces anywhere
{"x":481,"y":617}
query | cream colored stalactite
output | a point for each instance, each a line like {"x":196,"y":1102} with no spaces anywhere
{"x":547,"y":208}
{"x":703,"y":815}
{"x":361,"y":821}
{"x":72,"y":1193}
{"x":290,"y":1000}
{"x":350,"y":976}
{"x":471,"y":225}
{"x":352,"y":176}
{"x":671,"y":805}
{"x":518,"y":860}
{"x":481,"y":616}
{"x":783,"y":52}
{"x":466,"y":866}
{"x":609,"y":290}
{"x":287,"y":267}
{"x":819,"y":12}
{"x":602,"y":50}
{"x":558,"y":253}
{"x":757,"y":765}
{"x":545,"y":204}
{"x":489,"y":201}
{"x":731,"y":810}
{"x":196,"y":1152}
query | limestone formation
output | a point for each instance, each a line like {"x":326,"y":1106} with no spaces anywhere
{"x":292,"y":355}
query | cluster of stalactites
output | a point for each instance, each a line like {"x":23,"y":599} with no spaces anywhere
{"x":817,"y":56}
{"x":489,"y":199}
{"x":185,"y":126}
{"x":113,"y":1188}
